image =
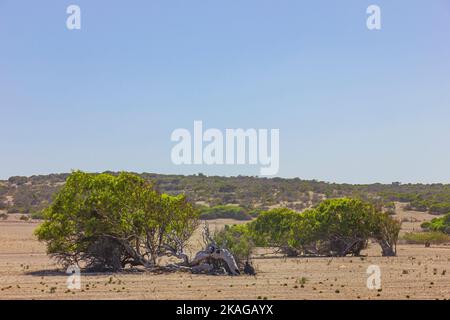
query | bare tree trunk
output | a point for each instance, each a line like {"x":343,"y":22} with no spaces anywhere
{"x":386,"y":249}
{"x":218,"y":255}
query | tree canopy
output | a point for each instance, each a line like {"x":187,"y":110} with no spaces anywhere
{"x":336,"y":227}
{"x":108,"y":222}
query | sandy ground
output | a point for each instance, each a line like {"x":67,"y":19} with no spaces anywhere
{"x":416,"y":273}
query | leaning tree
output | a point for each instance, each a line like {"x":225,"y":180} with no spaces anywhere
{"x":107,"y":222}
{"x":336,"y":227}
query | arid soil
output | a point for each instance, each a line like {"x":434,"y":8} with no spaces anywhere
{"x":416,"y":273}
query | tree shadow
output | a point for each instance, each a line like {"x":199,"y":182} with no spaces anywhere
{"x":46,"y":273}
{"x":59,"y":272}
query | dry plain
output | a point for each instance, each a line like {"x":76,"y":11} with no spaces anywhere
{"x":26,"y":272}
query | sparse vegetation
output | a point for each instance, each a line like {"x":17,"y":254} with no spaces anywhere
{"x":433,"y":237}
{"x":37,"y":215}
{"x":32,"y":194}
{"x":224,"y":212}
{"x":441,"y":224}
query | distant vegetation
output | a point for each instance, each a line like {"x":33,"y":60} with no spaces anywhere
{"x":441,"y":224}
{"x":32,"y":194}
{"x":224,"y":212}
{"x":433,"y":237}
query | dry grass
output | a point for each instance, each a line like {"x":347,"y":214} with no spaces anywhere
{"x":417,"y":273}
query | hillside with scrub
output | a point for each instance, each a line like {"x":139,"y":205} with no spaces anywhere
{"x":250,"y":195}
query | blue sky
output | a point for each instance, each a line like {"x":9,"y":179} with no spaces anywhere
{"x":352,"y":105}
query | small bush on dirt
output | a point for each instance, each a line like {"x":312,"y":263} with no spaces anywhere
{"x":24,"y":218}
{"x":37,"y":215}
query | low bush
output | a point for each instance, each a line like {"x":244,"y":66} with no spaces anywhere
{"x":431,"y":237}
{"x":37,"y":215}
{"x":238,"y":240}
{"x":440,"y":208}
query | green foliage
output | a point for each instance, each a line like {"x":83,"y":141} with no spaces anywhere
{"x":275,"y":228}
{"x":441,"y":224}
{"x":37,"y":215}
{"x":419,"y":205}
{"x":386,"y":231}
{"x":255,"y":212}
{"x":237,"y":240}
{"x":31,"y":194}
{"x":440,"y":208}
{"x":335,"y":227}
{"x":432,"y":237}
{"x":224,"y":212}
{"x":108,"y":222}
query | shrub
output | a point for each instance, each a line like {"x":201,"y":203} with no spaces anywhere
{"x":255,"y":212}
{"x":336,"y":227}
{"x":418,"y":205}
{"x":17,"y":209}
{"x":440,"y":208}
{"x":37,"y":215}
{"x":441,"y":224}
{"x":432,"y":237}
{"x":3,"y":205}
{"x":237,"y":240}
{"x":274,"y":228}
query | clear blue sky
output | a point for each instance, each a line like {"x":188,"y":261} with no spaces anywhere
{"x":352,"y":105}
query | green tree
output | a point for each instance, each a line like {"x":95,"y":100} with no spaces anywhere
{"x":108,"y":222}
{"x":386,"y":231}
{"x":344,"y":225}
{"x":274,"y":228}
{"x":336,"y":227}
